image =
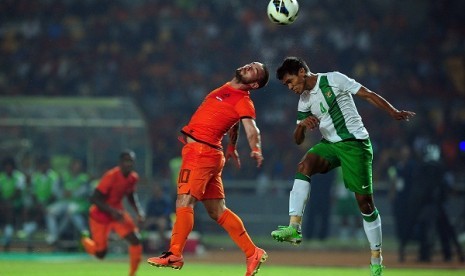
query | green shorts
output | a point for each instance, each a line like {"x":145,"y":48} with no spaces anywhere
{"x":356,"y":160}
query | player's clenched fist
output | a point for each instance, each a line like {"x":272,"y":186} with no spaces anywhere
{"x":257,"y":155}
{"x":310,"y":122}
{"x":231,"y":152}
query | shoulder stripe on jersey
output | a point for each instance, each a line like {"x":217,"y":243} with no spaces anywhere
{"x":302,"y":115}
{"x":334,"y":109}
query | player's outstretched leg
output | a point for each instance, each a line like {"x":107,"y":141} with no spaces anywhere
{"x":254,"y":261}
{"x":167,"y":259}
{"x":287,"y":234}
{"x":298,"y":198}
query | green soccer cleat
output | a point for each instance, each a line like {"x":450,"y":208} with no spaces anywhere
{"x":376,"y":270}
{"x":287,"y":234}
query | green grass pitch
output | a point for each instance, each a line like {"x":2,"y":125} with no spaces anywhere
{"x":112,"y":267}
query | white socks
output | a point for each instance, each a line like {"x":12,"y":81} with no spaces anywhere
{"x":374,"y":233}
{"x":298,"y":197}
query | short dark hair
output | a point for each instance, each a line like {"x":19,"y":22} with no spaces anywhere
{"x":127,"y":152}
{"x":291,"y":66}
{"x":263,"y":81}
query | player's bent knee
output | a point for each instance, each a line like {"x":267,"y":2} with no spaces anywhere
{"x":311,"y":165}
{"x":214,"y":215}
{"x":133,"y":238}
{"x":306,"y":169}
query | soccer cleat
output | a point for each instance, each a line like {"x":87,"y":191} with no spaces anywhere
{"x":167,"y":259}
{"x":376,"y":269}
{"x":254,"y":261}
{"x":85,"y":238}
{"x":287,"y":234}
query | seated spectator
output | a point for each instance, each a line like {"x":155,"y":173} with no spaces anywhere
{"x":158,"y":211}
{"x":11,"y":183}
{"x":73,"y":203}
{"x":45,"y":190}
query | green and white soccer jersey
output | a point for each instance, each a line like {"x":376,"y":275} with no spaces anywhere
{"x":45,"y":185}
{"x":332,"y":103}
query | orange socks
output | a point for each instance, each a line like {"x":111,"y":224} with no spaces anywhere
{"x":135,"y":254}
{"x":228,"y":220}
{"x":181,"y":229}
{"x":89,"y":245}
{"x":236,"y":230}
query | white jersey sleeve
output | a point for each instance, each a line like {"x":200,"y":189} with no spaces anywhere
{"x":343,"y":83}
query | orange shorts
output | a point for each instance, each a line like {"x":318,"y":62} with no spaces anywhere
{"x":200,"y":173}
{"x":101,"y":230}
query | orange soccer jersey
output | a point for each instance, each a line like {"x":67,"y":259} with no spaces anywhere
{"x":115,"y":187}
{"x":220,"y":110}
{"x":203,"y":162}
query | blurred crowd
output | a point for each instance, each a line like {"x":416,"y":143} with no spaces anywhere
{"x":34,"y":196}
{"x":39,"y":202}
{"x":166,"y":55}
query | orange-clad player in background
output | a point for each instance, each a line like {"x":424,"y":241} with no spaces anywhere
{"x":107,"y":213}
{"x":203,"y":161}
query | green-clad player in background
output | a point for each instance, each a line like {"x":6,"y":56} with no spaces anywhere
{"x":45,"y":190}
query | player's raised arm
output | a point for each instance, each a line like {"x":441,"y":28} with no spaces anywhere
{"x":253,"y":136}
{"x":383,"y":104}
